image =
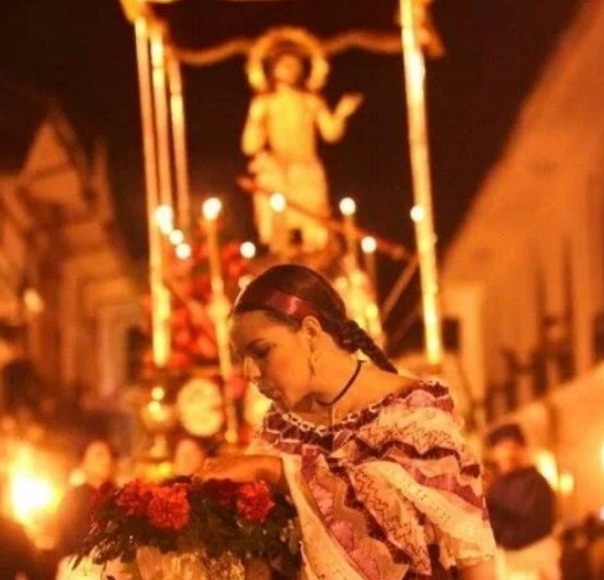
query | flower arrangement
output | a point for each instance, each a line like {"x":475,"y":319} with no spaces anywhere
{"x":209,"y":520}
{"x":191,"y":325}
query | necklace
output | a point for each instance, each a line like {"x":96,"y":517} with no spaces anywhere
{"x":343,"y":391}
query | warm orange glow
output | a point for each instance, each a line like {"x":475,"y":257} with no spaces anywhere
{"x":566,"y":484}
{"x":32,"y":495}
{"x":247,"y":250}
{"x":164,"y":218}
{"x":183,"y":251}
{"x":176,"y":237}
{"x":211,"y":208}
{"x":368,"y":245}
{"x":34,"y":303}
{"x":277,"y":202}
{"x":418,"y":213}
{"x":548,"y":467}
{"x":348,"y":206}
{"x":158,"y":393}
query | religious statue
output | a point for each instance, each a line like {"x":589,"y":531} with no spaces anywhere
{"x":287,"y":68}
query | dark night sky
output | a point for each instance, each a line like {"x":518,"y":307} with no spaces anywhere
{"x":82,"y":51}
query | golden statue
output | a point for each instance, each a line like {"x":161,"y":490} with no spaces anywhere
{"x":287,"y":68}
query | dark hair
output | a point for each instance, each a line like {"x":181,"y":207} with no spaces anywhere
{"x":506,"y":432}
{"x":302,"y":292}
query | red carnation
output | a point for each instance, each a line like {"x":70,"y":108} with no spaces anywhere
{"x":220,"y":491}
{"x":169,"y":508}
{"x":254,"y":501}
{"x":134,"y":497}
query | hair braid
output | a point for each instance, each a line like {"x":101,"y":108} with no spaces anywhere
{"x":352,"y":338}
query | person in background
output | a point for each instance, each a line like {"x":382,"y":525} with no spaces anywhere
{"x":97,"y":462}
{"x":522,"y":508}
{"x":189,"y":456}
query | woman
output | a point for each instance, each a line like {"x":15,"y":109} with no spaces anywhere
{"x":384,"y":484}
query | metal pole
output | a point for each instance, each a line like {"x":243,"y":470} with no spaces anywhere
{"x":177,"y":115}
{"x":160,"y":296}
{"x":414,"y":67}
{"x":162,"y":123}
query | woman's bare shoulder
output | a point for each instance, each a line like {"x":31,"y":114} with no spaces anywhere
{"x":378,"y":384}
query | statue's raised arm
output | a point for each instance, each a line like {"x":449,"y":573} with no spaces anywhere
{"x":332,"y":125}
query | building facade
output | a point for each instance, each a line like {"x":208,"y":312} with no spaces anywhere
{"x":64,"y":272}
{"x":525,"y":274}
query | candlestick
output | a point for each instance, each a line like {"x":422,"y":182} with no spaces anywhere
{"x":279,"y":242}
{"x":219,"y":310}
{"x":369,"y":246}
{"x":348,"y":208}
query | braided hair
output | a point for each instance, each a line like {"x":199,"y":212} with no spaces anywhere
{"x":289,"y":292}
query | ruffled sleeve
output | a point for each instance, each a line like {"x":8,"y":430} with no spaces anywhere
{"x":415,"y":453}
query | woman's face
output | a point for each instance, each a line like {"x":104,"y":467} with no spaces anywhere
{"x":275,"y":357}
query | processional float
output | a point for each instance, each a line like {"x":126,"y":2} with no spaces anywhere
{"x":400,"y":27}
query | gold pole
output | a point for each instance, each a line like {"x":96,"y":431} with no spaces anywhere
{"x":415,"y":71}
{"x":160,"y":296}
{"x":158,"y":62}
{"x":219,"y":311}
{"x":177,"y":115}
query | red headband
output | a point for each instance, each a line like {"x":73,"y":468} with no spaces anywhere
{"x":285,"y":303}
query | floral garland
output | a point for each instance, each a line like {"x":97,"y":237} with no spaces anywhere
{"x":210,"y":520}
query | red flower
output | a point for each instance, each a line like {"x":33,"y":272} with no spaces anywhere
{"x":220,"y":491}
{"x":134,"y":497}
{"x":179,"y":361}
{"x":254,"y":501}
{"x":169,"y":509}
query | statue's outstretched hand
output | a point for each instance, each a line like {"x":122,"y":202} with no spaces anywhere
{"x":348,"y":104}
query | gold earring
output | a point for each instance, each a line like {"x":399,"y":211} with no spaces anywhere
{"x":312,"y":362}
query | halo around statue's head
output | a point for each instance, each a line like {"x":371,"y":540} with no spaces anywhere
{"x":286,"y":40}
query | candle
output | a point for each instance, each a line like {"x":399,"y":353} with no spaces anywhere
{"x":348,"y":208}
{"x":369,"y":246}
{"x":211,"y":209}
{"x":247,"y":250}
{"x":164,"y":218}
{"x":279,"y":242}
